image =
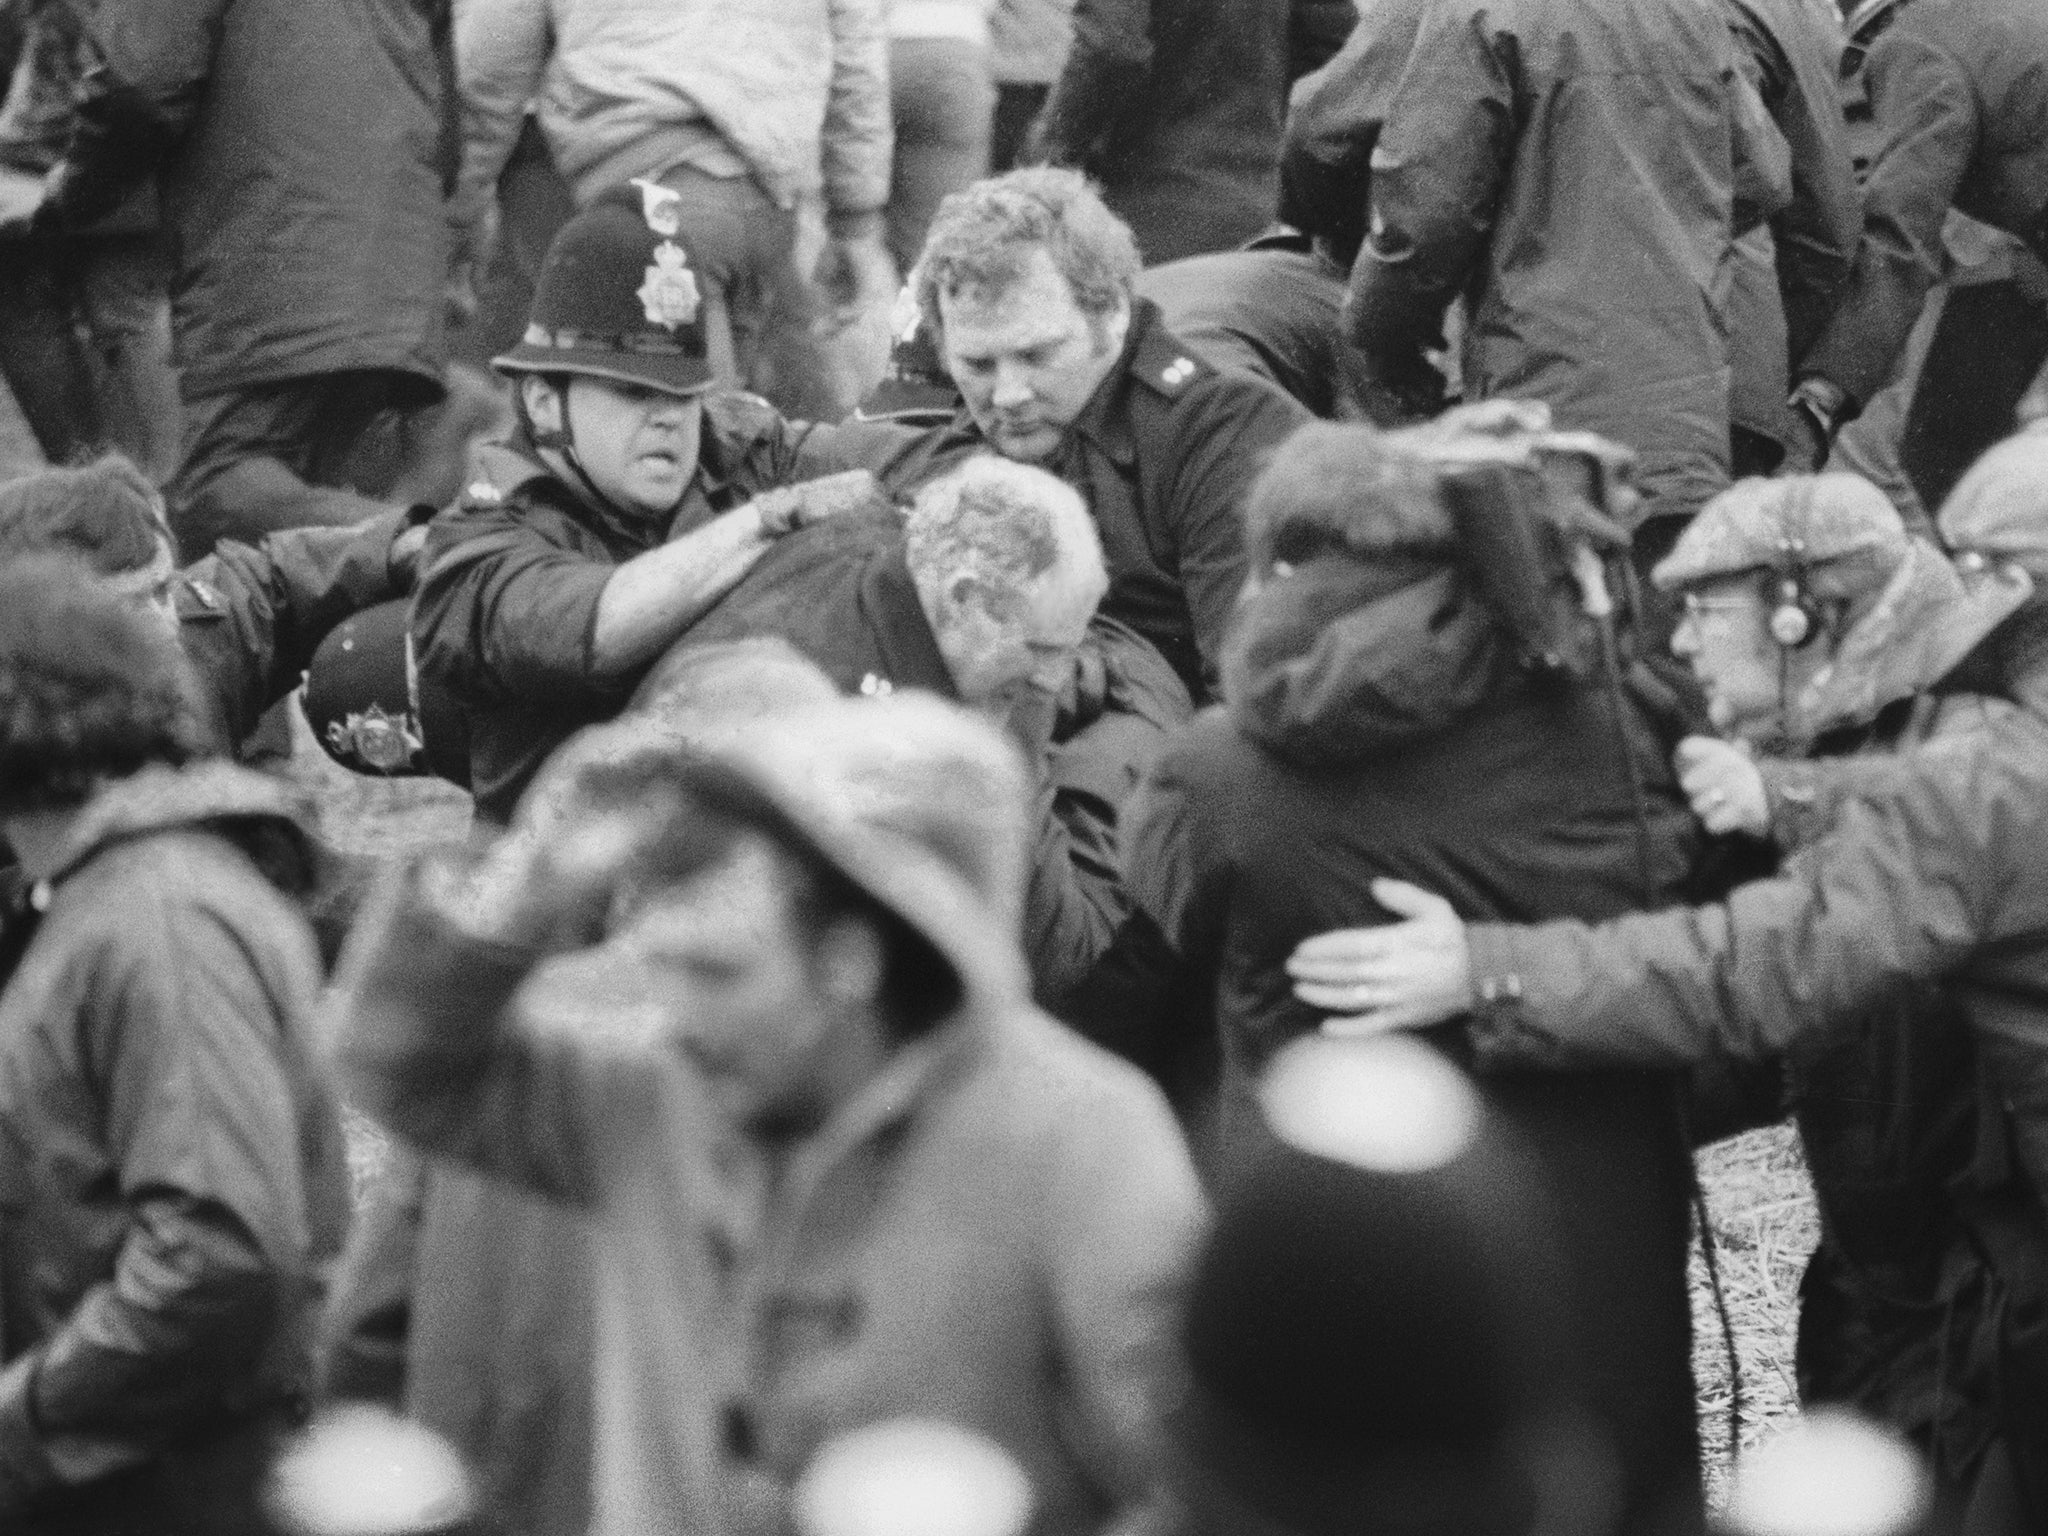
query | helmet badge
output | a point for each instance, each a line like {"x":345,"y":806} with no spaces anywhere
{"x":669,"y":296}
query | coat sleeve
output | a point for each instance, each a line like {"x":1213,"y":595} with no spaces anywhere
{"x":150,"y":64}
{"x":1910,"y":885}
{"x":501,"y":50}
{"x":1927,"y":116}
{"x":1224,"y":431}
{"x":204,"y":1129}
{"x":1175,"y":867}
{"x":1126,"y":1212}
{"x":1437,"y":174}
{"x":859,"y":127}
{"x":432,"y":1046}
{"x":280,"y":598}
{"x":1815,"y":234}
{"x":503,"y":615}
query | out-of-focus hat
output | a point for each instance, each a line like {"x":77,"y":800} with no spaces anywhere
{"x":619,"y":297}
{"x":1372,"y":1339}
{"x":912,"y":1477}
{"x":920,"y":803}
{"x":373,"y":711}
{"x":1999,"y":509}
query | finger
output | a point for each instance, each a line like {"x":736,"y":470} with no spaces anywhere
{"x":1405,"y":900}
{"x":1340,"y":946}
{"x":1356,"y":1026}
{"x":1344,"y":997}
{"x":1341,"y":973}
{"x":1694,"y":751}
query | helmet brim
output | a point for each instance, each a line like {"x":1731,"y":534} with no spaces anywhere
{"x":672,"y":372}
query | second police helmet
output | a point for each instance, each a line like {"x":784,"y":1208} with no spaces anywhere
{"x":619,"y":297}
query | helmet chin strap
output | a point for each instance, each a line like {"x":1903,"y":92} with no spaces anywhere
{"x":562,"y":441}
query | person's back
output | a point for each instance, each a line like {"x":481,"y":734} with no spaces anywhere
{"x":1175,"y":107}
{"x":1571,"y":167}
{"x":1379,"y":722}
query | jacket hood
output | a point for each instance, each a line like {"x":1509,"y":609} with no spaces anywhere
{"x":1927,"y":618}
{"x":1337,"y":660}
{"x":203,"y":794}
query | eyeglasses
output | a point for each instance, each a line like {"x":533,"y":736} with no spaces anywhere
{"x":1695,"y":605}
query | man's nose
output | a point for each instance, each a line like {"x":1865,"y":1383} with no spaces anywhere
{"x":1685,"y":641}
{"x":1013,"y":386}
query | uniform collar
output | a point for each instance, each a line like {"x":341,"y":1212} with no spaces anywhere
{"x":1153,"y":359}
{"x":896,"y":619}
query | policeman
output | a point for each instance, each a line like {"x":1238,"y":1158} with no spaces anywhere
{"x":1026,"y":286}
{"x":249,"y":617}
{"x":627,"y":502}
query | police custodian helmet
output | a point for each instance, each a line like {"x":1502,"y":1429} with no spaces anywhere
{"x":618,"y":297}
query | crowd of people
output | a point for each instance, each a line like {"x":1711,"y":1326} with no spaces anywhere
{"x":1117,"y":902}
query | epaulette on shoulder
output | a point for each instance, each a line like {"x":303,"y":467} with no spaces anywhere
{"x":1165,"y":365}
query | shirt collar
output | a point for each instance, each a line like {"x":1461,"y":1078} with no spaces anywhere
{"x":895,"y":617}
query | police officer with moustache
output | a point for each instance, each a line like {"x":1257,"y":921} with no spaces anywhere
{"x":629,"y":500}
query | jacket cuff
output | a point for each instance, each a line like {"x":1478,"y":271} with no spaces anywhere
{"x":1499,"y":1027}
{"x":25,"y":1467}
{"x":1793,"y":797}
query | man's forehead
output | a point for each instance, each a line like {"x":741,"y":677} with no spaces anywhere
{"x":1027,"y":286}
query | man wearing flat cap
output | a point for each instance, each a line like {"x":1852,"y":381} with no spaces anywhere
{"x":1894,"y":965}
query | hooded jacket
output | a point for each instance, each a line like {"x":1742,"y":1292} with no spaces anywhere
{"x":1378,"y":725}
{"x":993,"y":1231}
{"x":173,"y":1180}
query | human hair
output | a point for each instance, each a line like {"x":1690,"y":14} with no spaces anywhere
{"x":90,"y":688}
{"x":981,"y":238}
{"x":1336,"y":488}
{"x":1001,"y":524}
{"x":105,"y":513}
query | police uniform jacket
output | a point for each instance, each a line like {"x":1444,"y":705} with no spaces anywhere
{"x":1165,"y":453}
{"x":251,"y":617}
{"x":507,"y":603}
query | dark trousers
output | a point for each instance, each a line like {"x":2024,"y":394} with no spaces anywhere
{"x":292,"y":454}
{"x":944,"y":104}
{"x":1989,"y":344}
{"x":1017,"y":107}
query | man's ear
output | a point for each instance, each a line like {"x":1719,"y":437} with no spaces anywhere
{"x":543,"y":403}
{"x":851,"y":962}
{"x":1112,"y":327}
{"x":964,"y":591}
